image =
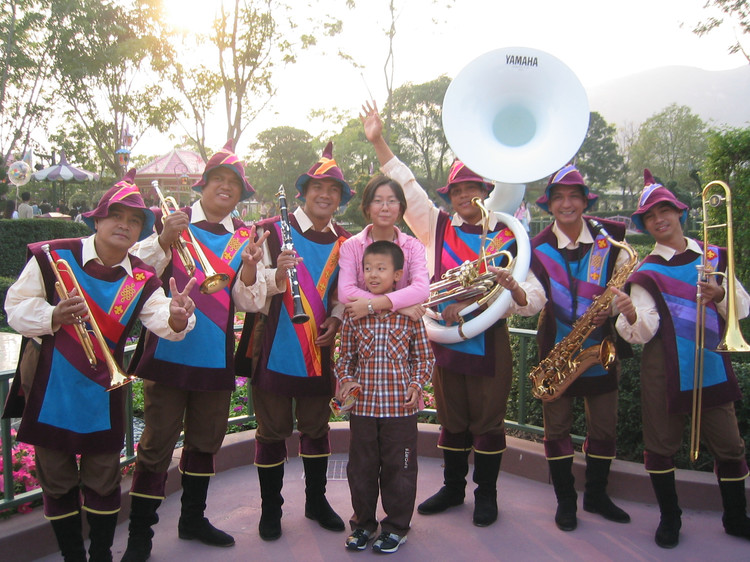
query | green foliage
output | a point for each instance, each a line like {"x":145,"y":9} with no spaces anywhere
{"x":5,"y":283}
{"x":16,"y":234}
{"x":25,"y":99}
{"x":94,"y":69}
{"x":672,"y":145}
{"x":728,"y":160}
{"x":598,"y":159}
{"x":416,"y":131}
{"x":282,"y":154}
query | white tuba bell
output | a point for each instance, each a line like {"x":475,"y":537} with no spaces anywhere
{"x":513,"y":115}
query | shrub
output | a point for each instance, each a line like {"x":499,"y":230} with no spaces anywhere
{"x":16,"y":234}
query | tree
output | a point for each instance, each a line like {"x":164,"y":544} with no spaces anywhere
{"x":281,"y":155}
{"x":249,"y":40}
{"x":739,"y":10}
{"x":728,"y":159}
{"x":96,"y":71}
{"x":672,"y":144}
{"x":25,"y":96}
{"x":421,"y":144}
{"x":598,"y":159}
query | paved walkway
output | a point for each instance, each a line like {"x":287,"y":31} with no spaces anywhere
{"x":524,"y":531}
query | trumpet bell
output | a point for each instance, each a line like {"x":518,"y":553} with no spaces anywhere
{"x":515,"y":114}
{"x":120,"y":379}
{"x":214,"y":283}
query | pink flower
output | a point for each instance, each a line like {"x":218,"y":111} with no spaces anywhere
{"x":24,"y":508}
{"x":237,"y":408}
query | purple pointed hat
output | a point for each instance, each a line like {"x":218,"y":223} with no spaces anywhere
{"x":568,"y":175}
{"x":226,"y":158}
{"x":459,"y":173}
{"x":326,"y":168}
{"x":652,"y":194}
{"x":125,"y":192}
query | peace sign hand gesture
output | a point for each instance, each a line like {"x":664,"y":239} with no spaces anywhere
{"x":181,"y":307}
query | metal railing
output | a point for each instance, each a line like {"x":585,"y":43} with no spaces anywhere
{"x":11,"y":500}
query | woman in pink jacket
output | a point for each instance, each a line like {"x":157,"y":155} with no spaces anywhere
{"x":383,"y":203}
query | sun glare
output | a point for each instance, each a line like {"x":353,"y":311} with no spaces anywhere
{"x":193,"y":16}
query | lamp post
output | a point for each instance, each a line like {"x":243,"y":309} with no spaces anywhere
{"x":183,"y":179}
{"x":123,"y":153}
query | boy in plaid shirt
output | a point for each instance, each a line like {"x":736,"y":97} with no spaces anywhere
{"x":387,"y":358}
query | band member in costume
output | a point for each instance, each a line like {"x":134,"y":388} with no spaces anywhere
{"x":661,"y":314}
{"x":68,"y":410}
{"x":188,"y":385}
{"x":292,"y":371}
{"x":472,"y":378}
{"x":570,"y":266}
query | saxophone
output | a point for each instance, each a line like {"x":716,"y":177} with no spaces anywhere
{"x":567,"y":360}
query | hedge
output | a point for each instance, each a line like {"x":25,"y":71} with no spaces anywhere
{"x":16,"y":234}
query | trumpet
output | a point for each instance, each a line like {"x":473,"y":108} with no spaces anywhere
{"x":117,"y":377}
{"x":213,"y":282}
{"x":732,"y":339}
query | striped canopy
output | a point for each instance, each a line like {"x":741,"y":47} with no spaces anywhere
{"x":64,"y":172}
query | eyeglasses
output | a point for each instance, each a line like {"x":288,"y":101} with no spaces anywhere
{"x":386,"y":203}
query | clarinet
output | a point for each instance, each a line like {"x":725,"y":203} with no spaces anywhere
{"x":299,"y":316}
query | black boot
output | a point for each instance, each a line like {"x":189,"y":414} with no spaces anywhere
{"x":668,"y":532}
{"x":70,"y":538}
{"x":735,"y":519}
{"x":486,"y":470}
{"x":563,"y":481}
{"x":142,"y":517}
{"x":271,"y":481}
{"x":595,"y":498}
{"x":192,"y":524}
{"x":102,"y":534}
{"x":456,"y":467}
{"x":316,"y":504}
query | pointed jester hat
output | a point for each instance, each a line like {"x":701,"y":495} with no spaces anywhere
{"x":226,"y":158}
{"x":568,"y":175}
{"x":460,"y":172}
{"x":125,"y":192}
{"x":652,"y":194}
{"x":325,"y":168}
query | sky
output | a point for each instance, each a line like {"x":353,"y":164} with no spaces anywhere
{"x":598,"y":39}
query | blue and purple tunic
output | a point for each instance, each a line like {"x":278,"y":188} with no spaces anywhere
{"x":69,"y":408}
{"x":672,"y":285}
{"x":290,"y":363}
{"x":572,"y":279}
{"x":454,"y":245}
{"x":203,"y":360}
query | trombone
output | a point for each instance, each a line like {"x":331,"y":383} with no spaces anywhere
{"x":732,"y":339}
{"x":117,"y":377}
{"x":213,"y":282}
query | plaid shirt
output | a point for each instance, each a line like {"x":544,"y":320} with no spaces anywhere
{"x":386,"y":354}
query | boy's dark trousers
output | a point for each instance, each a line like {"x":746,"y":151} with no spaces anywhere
{"x":383,"y":459}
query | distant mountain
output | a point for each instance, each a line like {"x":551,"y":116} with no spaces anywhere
{"x":718,"y":97}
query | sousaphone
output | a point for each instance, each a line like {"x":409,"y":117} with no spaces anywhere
{"x":513,"y":115}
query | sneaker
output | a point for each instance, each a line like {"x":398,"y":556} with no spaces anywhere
{"x":358,"y":539}
{"x":388,"y":543}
